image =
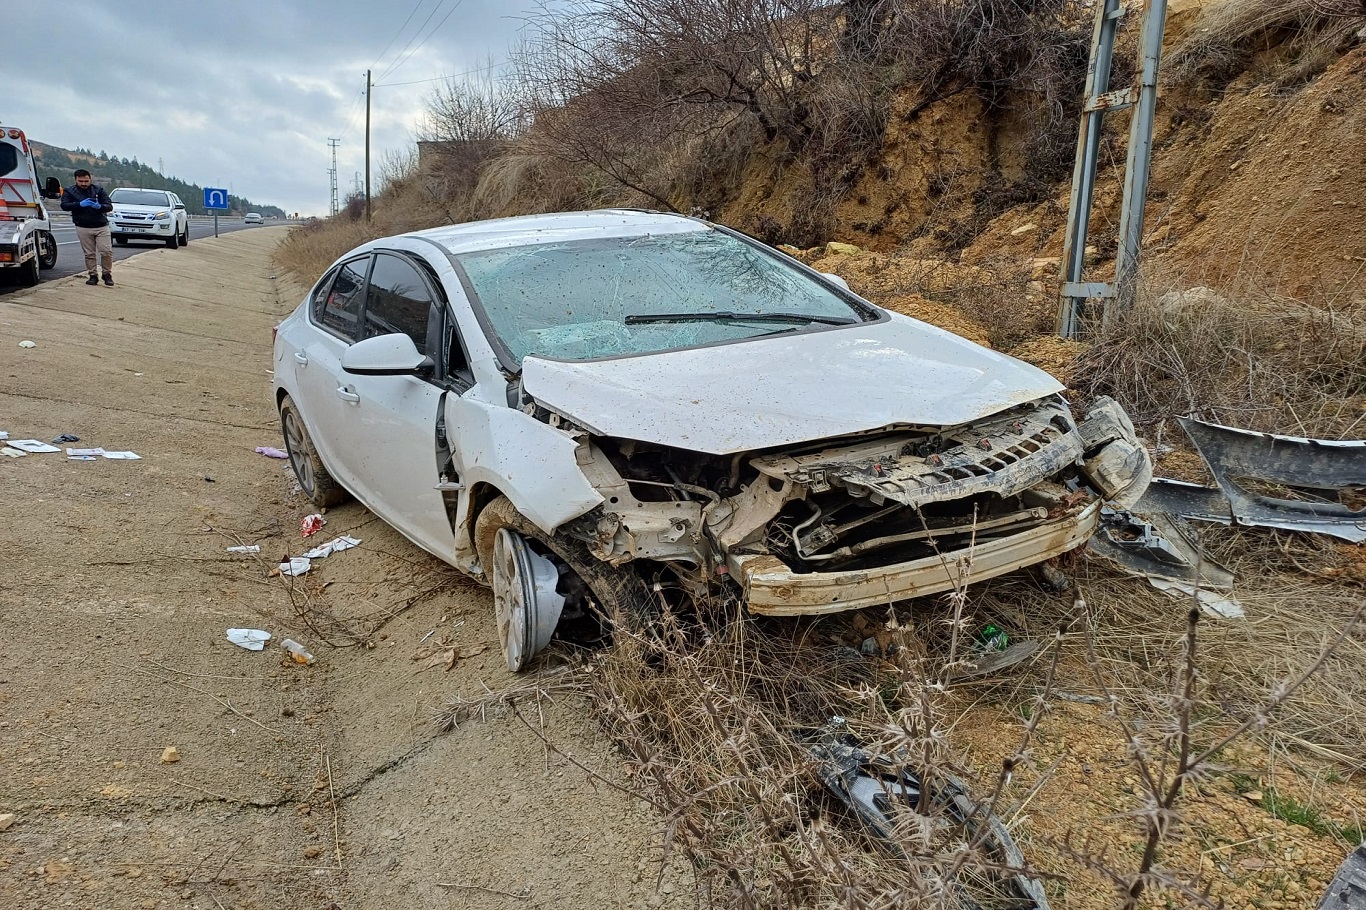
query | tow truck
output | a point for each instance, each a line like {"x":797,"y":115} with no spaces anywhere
{"x":26,"y":241}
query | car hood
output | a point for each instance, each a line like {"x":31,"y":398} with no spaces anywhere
{"x":139,"y":209}
{"x":786,"y":389}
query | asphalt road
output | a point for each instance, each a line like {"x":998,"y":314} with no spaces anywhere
{"x":70,"y":261}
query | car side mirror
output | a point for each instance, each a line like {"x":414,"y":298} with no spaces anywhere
{"x":835,"y":279}
{"x":52,"y":188}
{"x":179,"y":207}
{"x":385,"y":355}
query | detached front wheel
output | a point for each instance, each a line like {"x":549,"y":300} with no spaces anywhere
{"x":314,"y":479}
{"x":537,"y":578}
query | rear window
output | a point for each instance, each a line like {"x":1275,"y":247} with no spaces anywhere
{"x":139,"y":197}
{"x":9,"y":159}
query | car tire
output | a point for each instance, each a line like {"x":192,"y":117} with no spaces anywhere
{"x":30,"y":274}
{"x":619,"y":594}
{"x":313,"y":476}
{"x":173,"y":242}
{"x":47,"y":250}
{"x":185,"y":237}
{"x":121,"y":241}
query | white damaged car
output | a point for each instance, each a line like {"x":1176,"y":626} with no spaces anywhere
{"x":584,"y":409}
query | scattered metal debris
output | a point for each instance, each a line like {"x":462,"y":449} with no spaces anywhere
{"x":876,"y":789}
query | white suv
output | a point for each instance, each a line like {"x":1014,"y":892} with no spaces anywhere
{"x":148,"y":215}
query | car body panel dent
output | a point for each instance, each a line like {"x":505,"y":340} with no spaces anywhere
{"x":805,"y":386}
{"x":532,"y":463}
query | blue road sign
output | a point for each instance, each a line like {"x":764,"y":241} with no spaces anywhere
{"x":215,"y":198}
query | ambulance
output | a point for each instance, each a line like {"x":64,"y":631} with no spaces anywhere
{"x":26,"y":241}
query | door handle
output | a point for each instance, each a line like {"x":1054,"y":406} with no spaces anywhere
{"x":346,"y":393}
{"x":301,"y":357}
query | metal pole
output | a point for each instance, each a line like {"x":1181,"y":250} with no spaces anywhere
{"x":1084,"y":169}
{"x":367,"y":145}
{"x":215,"y":222}
{"x":1140,"y":157}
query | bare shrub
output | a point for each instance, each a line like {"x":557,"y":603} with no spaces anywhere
{"x":466,"y":125}
{"x":1232,"y":32}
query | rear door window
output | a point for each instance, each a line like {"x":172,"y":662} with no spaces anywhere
{"x":9,"y":159}
{"x":337,"y":305}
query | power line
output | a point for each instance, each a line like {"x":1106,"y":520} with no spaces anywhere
{"x":480,"y":69}
{"x":415,"y":8}
{"x":351,"y":116}
{"x":395,"y":67}
{"x":399,"y":56}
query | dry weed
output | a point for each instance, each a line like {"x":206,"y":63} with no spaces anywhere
{"x":1249,"y":360}
{"x":1231,"y":32}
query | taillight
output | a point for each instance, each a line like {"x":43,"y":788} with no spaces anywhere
{"x":274,"y":333}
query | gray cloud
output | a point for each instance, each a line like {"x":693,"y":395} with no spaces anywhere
{"x":242,"y":93}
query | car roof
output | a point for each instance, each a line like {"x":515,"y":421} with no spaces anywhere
{"x":525,"y":230}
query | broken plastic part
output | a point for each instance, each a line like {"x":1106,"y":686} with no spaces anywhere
{"x":1313,"y":469}
{"x":876,"y":788}
{"x":1347,"y":890}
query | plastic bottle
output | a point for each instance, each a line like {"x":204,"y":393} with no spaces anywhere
{"x":297,"y":652}
{"x":991,"y":638}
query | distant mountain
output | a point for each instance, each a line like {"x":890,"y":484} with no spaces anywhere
{"x":110,"y":171}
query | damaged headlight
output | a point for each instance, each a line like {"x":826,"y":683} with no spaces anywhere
{"x":1115,"y":461}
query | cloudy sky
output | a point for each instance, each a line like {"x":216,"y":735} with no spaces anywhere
{"x":243,"y":93}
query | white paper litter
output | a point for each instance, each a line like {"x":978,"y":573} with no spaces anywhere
{"x":4,"y":435}
{"x":249,"y":548}
{"x":122,"y":456}
{"x":12,"y":453}
{"x":345,"y":542}
{"x":33,"y":445}
{"x":1212,"y":603}
{"x":84,"y":453}
{"x":251,"y":639}
{"x":297,"y":565}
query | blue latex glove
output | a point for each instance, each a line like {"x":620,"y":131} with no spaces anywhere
{"x":90,"y":203}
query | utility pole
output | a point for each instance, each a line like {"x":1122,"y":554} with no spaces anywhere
{"x":367,"y":145}
{"x":332,"y":174}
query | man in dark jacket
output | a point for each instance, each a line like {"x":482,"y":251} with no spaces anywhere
{"x":88,"y":204}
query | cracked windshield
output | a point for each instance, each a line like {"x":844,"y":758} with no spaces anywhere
{"x":618,"y":296}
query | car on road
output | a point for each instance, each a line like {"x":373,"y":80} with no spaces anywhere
{"x":592,"y":411}
{"x":253,"y":218}
{"x":142,"y":214}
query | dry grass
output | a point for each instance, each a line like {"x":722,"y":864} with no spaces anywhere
{"x":1232,"y":32}
{"x":1249,"y":360}
{"x":712,"y":719}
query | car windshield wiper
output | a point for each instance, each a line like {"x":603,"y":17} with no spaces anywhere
{"x":643,"y":318}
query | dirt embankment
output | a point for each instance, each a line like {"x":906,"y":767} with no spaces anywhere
{"x":290,"y":785}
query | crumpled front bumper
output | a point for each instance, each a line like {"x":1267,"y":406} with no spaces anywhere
{"x":773,"y":589}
